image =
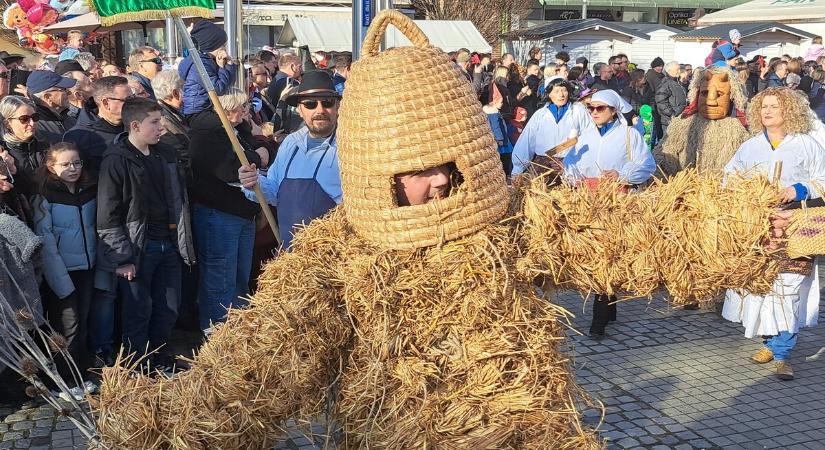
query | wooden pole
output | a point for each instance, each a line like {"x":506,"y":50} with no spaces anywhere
{"x":230,"y":131}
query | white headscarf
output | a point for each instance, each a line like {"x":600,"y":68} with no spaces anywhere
{"x":611,"y":98}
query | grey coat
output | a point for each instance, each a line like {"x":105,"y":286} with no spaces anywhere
{"x":19,"y":258}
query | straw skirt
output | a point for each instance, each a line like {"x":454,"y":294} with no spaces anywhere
{"x":794,"y":304}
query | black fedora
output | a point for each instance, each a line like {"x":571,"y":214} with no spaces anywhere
{"x":314,"y":84}
{"x":10,"y":58}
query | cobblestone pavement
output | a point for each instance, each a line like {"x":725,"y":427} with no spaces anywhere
{"x":669,"y":379}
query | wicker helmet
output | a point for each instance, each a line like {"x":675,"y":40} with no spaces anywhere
{"x":405,"y":110}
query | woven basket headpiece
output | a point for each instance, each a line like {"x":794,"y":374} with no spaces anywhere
{"x":409,"y":109}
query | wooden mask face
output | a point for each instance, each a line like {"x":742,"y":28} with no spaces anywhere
{"x":714,"y":95}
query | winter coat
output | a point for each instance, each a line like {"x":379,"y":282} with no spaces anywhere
{"x":638,"y":99}
{"x":92,"y":135}
{"x":122,"y":205}
{"x":817,"y":99}
{"x":52,"y":126}
{"x":214,"y":165}
{"x":66,"y":223}
{"x":670,"y":99}
{"x":20,"y":260}
{"x":338,"y":81}
{"x":287,"y":116}
{"x":28,"y":156}
{"x":176,"y":136}
{"x":752,"y":85}
{"x":814,"y":52}
{"x":146,"y":83}
{"x":654,"y":79}
{"x":773,"y":80}
{"x":195,"y":97}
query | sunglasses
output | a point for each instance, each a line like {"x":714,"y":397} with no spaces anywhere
{"x":155,"y":60}
{"x":598,"y":109}
{"x":25,"y":119}
{"x":312,"y":104}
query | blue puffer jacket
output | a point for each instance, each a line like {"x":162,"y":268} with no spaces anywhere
{"x":66,"y":222}
{"x":195,"y":97}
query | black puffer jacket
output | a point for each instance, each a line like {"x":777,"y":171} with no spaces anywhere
{"x":28,"y":156}
{"x":92,"y":135}
{"x":123,"y":205}
{"x":670,"y":99}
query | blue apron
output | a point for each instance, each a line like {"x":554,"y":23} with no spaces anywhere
{"x":300,"y":200}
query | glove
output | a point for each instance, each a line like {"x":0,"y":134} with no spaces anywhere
{"x":257,"y":104}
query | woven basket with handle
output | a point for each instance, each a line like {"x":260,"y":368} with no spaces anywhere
{"x":405,"y":110}
{"x":806,"y":234}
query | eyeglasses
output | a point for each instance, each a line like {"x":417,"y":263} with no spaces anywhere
{"x":73,"y":164}
{"x":26,"y":118}
{"x":598,"y":109}
{"x":155,"y":60}
{"x":120,"y":99}
{"x":312,"y":104}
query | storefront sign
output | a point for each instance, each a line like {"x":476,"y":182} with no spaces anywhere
{"x":569,"y":14}
{"x":680,"y":17}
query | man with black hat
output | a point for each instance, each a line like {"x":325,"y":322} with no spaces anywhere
{"x":210,"y":40}
{"x":82,"y":89}
{"x":654,"y":77}
{"x":49,"y":91}
{"x":304,"y":182}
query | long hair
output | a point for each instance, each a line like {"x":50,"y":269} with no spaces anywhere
{"x":44,"y":177}
{"x":794,"y":107}
{"x":637,"y":80}
{"x":8,"y":109}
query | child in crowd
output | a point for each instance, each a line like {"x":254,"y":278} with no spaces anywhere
{"x":142,"y":221}
{"x":210,"y":40}
{"x":74,"y":45}
{"x":64,"y":217}
{"x":500,"y":131}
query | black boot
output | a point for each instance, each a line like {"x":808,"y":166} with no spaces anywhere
{"x":601,"y":316}
{"x":612,"y":308}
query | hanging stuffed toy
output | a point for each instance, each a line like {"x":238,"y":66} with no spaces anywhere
{"x":14,"y":18}
{"x":28,"y":18}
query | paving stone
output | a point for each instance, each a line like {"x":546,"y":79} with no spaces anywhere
{"x":22,"y":443}
{"x":653,"y":429}
{"x":20,"y":426}
{"x":627,"y":442}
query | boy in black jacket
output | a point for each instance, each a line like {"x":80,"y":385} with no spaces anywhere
{"x":143,"y":224}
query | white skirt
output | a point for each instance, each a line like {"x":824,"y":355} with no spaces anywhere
{"x":793,"y":304}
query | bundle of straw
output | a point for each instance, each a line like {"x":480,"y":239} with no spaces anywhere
{"x":445,"y":347}
{"x":690,"y":235}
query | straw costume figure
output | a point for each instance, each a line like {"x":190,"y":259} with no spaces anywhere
{"x":711,"y":128}
{"x":400,"y":314}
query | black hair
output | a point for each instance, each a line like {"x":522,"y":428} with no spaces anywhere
{"x":136,"y":109}
{"x":105,"y":86}
{"x":564,"y":56}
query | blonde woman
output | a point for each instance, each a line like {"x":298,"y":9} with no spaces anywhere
{"x":780,"y":121}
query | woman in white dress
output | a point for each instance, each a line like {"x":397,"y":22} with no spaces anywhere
{"x":550,"y":126}
{"x":780,"y":120}
{"x":611,"y":149}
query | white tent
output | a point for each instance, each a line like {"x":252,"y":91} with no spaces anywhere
{"x":784,"y":11}
{"x":335,"y":35}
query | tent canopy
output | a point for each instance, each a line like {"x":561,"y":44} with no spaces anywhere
{"x":722,"y":31}
{"x":335,"y":35}
{"x":565,"y":27}
{"x":785,"y":11}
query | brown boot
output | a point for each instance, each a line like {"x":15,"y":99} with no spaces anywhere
{"x":762,"y":356}
{"x":784,"y":370}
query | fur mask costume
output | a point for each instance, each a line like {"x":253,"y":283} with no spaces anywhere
{"x":706,"y":136}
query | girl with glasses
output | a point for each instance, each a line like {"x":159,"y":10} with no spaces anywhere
{"x":609,"y":150}
{"x":65,"y":208}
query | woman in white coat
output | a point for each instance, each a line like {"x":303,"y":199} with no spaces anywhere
{"x":613,"y":150}
{"x":779,"y":118}
{"x":550,"y":126}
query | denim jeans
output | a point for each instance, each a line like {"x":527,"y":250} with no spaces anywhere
{"x":102,"y":317}
{"x":781,"y":345}
{"x":151,"y":300}
{"x":225,"y":243}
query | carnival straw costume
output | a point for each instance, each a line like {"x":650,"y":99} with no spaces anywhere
{"x":413,"y":321}
{"x":711,"y":128}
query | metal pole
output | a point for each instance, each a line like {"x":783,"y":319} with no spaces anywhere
{"x":232,"y":24}
{"x":171,"y":40}
{"x":584,"y":9}
{"x":358,"y":26}
{"x":233,"y":138}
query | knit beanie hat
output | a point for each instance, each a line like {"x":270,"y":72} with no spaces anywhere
{"x":734,"y":35}
{"x":208,"y":36}
{"x":658,"y":62}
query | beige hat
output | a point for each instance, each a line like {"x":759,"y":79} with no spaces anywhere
{"x":409,"y":109}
